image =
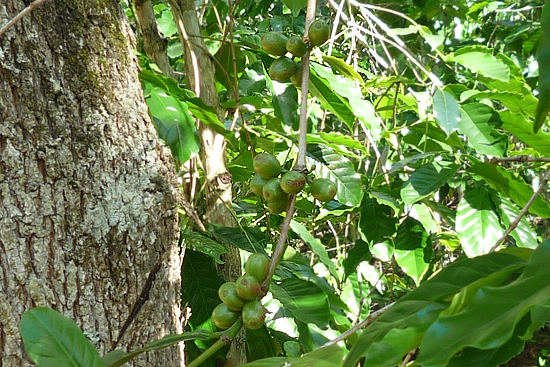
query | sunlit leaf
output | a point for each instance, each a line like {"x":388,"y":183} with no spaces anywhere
{"x":479,"y":123}
{"x":413,"y":248}
{"x":426,"y":180}
{"x":480,"y":60}
{"x":446,"y":111}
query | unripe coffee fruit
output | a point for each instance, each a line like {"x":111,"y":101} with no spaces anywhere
{"x":282,"y":69}
{"x":318,"y":32}
{"x":296,"y":46}
{"x":274,"y":43}
{"x":257,"y":184}
{"x":253,"y":315}
{"x":293,"y":182}
{"x":228,"y":294}
{"x":323,"y":189}
{"x":277,"y":207}
{"x":248,"y":287}
{"x":266,"y":165}
{"x":272,"y":191}
{"x":223,"y":317}
{"x":296,"y":78}
{"x":257,"y":265}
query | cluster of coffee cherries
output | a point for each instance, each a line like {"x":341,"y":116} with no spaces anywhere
{"x":277,"y":44}
{"x":242,"y":297}
{"x":276,"y":190}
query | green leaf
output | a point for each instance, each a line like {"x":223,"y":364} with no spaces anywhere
{"x":174,"y":124}
{"x":413,"y":248}
{"x":376,"y":222}
{"x":543,"y":60}
{"x":307,"y":302}
{"x":323,"y":357}
{"x":339,"y":65}
{"x":399,"y":330}
{"x":511,"y":186}
{"x":117,"y":357}
{"x":446,"y":111}
{"x":339,"y":170}
{"x":358,"y":253}
{"x":295,"y":6}
{"x":426,"y":180}
{"x":316,"y":246}
{"x":199,"y":288}
{"x":338,"y":142}
{"x":206,"y":245}
{"x":260,"y":344}
{"x":285,"y":101}
{"x":492,"y":315}
{"x":477,"y":224}
{"x":53,"y":340}
{"x":251,"y":239}
{"x":480,"y":60}
{"x":479,"y":123}
{"x":346,"y":98}
{"x":518,"y":125}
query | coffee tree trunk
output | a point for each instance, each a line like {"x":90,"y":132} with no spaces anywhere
{"x":200,"y":69}
{"x":88,"y":215}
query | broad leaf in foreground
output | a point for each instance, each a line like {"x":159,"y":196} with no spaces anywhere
{"x":426,"y":180}
{"x":413,"y":248}
{"x":489,"y":320}
{"x":53,"y":340}
{"x":322,"y":357}
{"x":446,"y":111}
{"x":477,"y":224}
{"x":400,"y":329}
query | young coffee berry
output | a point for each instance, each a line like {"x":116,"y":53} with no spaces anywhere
{"x":323,"y":189}
{"x":296,"y":46}
{"x":318,"y":32}
{"x":266,"y":165}
{"x":274,"y":43}
{"x":248,"y":287}
{"x":228,"y":294}
{"x":253,"y":314}
{"x":257,"y":183}
{"x":282,"y":69}
{"x":257,"y":265}
{"x":272,"y":191}
{"x":223,"y":317}
{"x":293,"y":182}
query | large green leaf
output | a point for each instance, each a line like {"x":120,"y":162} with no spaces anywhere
{"x":316,"y":246}
{"x":174,"y":124}
{"x":519,"y":126}
{"x":426,"y":180}
{"x":339,"y":170}
{"x":480,"y":60}
{"x":479,"y":123}
{"x":307,"y":302}
{"x":285,"y":101}
{"x":376,"y":222}
{"x":477,"y":224}
{"x":413,"y":248}
{"x":206,"y":245}
{"x":53,"y":340}
{"x":489,"y":320}
{"x":446,"y":111}
{"x":323,"y":357}
{"x":295,"y":6}
{"x":251,"y":239}
{"x":349,"y":90}
{"x":511,"y":186}
{"x":199,"y":288}
{"x":400,"y":329}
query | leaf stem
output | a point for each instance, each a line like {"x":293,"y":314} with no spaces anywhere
{"x":523,"y":212}
{"x":18,"y":17}
{"x":225,"y":339}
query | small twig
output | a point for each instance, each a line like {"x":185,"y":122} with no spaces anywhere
{"x":18,"y":17}
{"x":373,"y":316}
{"x":407,"y":358}
{"x":523,"y":212}
{"x":519,"y":158}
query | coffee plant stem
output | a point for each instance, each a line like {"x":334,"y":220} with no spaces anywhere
{"x":226,"y":338}
{"x":302,"y":140}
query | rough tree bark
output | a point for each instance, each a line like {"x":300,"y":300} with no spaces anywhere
{"x":88,"y":216}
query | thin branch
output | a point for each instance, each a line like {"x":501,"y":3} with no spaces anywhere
{"x":523,"y":212}
{"x":18,"y":17}
{"x":519,"y":158}
{"x":366,"y":322}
